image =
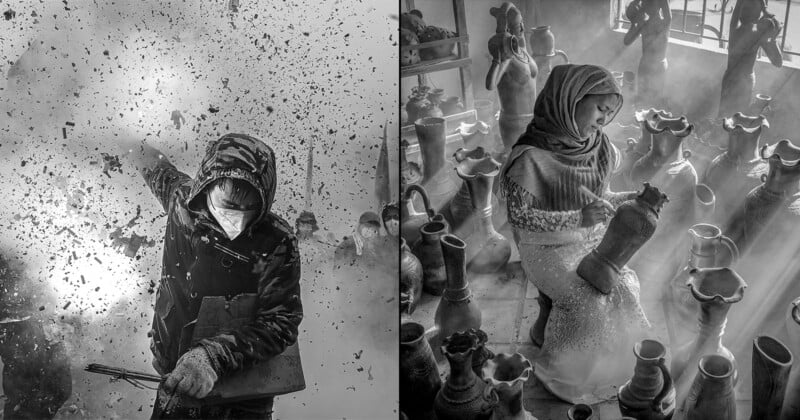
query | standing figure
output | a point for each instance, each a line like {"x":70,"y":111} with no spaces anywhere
{"x":222,"y":239}
{"x":556,"y":223}
{"x":651,"y":19}
{"x":513,"y":72}
{"x":752,"y":27}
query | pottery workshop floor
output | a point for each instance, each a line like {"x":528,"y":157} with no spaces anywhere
{"x":509,"y":309}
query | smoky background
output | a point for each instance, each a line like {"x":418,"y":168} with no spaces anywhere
{"x":86,"y":233}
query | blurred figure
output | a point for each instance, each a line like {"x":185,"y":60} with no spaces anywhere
{"x":752,"y":27}
{"x":364,"y":246}
{"x":651,"y":19}
{"x":36,"y":373}
{"x":221,"y":240}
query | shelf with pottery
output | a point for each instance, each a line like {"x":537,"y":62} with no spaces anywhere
{"x":452,"y":124}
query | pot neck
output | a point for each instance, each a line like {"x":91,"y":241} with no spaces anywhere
{"x":461,"y":373}
{"x":782,"y":180}
{"x":666,"y":148}
{"x":742,"y":147}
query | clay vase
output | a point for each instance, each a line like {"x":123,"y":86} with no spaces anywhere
{"x":464,"y":396}
{"x":638,"y":148}
{"x":474,"y":135}
{"x":762,"y":203}
{"x":736,"y":170}
{"x":791,"y":399}
{"x":436,"y":176}
{"x":711,"y":396}
{"x":760,"y":104}
{"x":410,"y":172}
{"x":429,"y":252}
{"x":419,"y":374}
{"x":633,"y":224}
{"x":709,"y":248}
{"x":543,"y":51}
{"x":482,"y":353}
{"x":580,"y":412}
{"x":410,"y":219}
{"x":508,"y":373}
{"x":411,"y":276}
{"x":451,"y":105}
{"x":436,"y":98}
{"x":461,"y":210}
{"x":716,"y":289}
{"x":457,"y":310}
{"x":771,"y":364}
{"x":649,"y":394}
{"x":488,"y":251}
{"x":667,"y":167}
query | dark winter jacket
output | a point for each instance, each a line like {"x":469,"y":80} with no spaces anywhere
{"x":199,"y":260}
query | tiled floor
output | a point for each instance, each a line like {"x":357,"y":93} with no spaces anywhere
{"x":509,"y":309}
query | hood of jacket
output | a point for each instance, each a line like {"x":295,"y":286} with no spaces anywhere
{"x":236,"y":156}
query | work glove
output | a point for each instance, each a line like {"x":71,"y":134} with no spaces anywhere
{"x":193,"y":375}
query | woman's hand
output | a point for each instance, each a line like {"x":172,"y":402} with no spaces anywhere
{"x":597,"y":211}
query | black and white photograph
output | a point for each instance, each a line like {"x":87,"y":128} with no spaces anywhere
{"x":201,"y":209}
{"x":603,"y":209}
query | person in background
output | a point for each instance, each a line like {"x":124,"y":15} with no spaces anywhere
{"x":222,"y":239}
{"x":555,"y":224}
{"x":364,"y":246}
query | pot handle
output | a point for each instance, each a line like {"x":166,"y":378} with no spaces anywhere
{"x":665,"y":389}
{"x":733,"y":250}
{"x":562,"y":54}
{"x":421,"y":191}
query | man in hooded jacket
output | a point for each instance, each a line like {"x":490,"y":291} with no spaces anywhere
{"x":221,"y":240}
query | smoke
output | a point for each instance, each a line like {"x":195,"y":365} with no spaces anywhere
{"x":89,"y":232}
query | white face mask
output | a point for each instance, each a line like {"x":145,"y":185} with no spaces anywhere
{"x":233,"y":222}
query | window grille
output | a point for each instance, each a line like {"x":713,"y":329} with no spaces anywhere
{"x":700,"y":21}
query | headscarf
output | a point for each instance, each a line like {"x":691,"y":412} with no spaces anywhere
{"x":553,"y":127}
{"x":550,"y":160}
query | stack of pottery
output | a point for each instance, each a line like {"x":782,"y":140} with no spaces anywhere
{"x":791,"y":399}
{"x":436,"y":170}
{"x":457,"y":310}
{"x":634,"y":223}
{"x":464,"y":395}
{"x":711,"y":396}
{"x":543,"y":51}
{"x":716,"y":289}
{"x":419,"y":374}
{"x":736,"y":171}
{"x":709,"y":248}
{"x":508,"y":373}
{"x":771,"y":364}
{"x":649,"y":394}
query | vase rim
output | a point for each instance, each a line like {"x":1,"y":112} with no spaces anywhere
{"x":784,"y":151}
{"x":730,"y":284}
{"x":453,"y":241}
{"x":540,"y":28}
{"x":429,"y":121}
{"x":659,"y":347}
{"x":643,"y":115}
{"x":493,"y":365}
{"x":473,"y":163}
{"x":432,"y":228}
{"x":705,"y":231}
{"x":741,"y":123}
{"x":653,"y":125}
{"x":416,"y":326}
{"x":715,"y":361}
{"x":778,"y":353}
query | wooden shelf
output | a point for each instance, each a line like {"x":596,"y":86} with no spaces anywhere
{"x":450,"y":62}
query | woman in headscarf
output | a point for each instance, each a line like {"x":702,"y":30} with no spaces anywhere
{"x":555,"y":224}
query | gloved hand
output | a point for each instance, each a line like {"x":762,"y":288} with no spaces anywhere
{"x":193,"y":375}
